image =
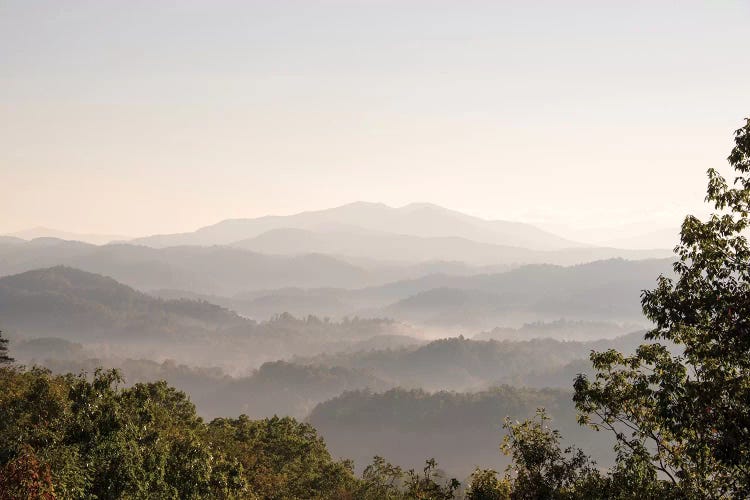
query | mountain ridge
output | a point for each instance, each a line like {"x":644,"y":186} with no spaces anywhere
{"x":419,"y":219}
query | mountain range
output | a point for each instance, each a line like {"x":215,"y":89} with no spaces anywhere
{"x":358,"y":245}
{"x":417,"y":219}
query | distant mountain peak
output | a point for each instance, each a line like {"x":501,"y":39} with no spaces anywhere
{"x":361,"y":203}
{"x":421,"y":219}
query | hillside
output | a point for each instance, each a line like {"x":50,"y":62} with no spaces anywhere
{"x":114,"y":319}
{"x":275,"y":388}
{"x":462,"y":364}
{"x":61,"y":299}
{"x":218,"y":270}
{"x":460,"y":430}
{"x":602,"y":291}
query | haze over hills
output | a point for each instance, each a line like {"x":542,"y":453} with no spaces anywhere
{"x":71,"y":320}
{"x":461,"y":430}
{"x":63,"y":301}
{"x":237,"y":314}
{"x":222,"y":270}
{"x":199,"y":269}
{"x":462,"y":364}
{"x":606,"y":290}
{"x":222,"y":275}
{"x":80,"y":306}
{"x":46,"y":232}
{"x":601,"y":290}
{"x":417,"y":219}
{"x":411,"y":249}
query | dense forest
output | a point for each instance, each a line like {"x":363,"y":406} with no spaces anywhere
{"x":672,"y":403}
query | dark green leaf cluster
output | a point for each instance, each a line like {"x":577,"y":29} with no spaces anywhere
{"x":689,"y":414}
{"x":98,"y":440}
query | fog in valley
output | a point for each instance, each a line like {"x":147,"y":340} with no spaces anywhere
{"x":374,"y":250}
{"x":406,"y":343}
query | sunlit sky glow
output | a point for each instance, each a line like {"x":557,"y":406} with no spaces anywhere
{"x":587,"y":118}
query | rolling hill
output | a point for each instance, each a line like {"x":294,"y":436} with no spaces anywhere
{"x":403,"y":248}
{"x":606,"y":290}
{"x":460,"y":430}
{"x":63,"y":300}
{"x":219,"y":270}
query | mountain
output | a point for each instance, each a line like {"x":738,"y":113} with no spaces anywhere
{"x":109,"y":318}
{"x":63,"y":300}
{"x":45,"y":232}
{"x":415,"y":249}
{"x":457,"y":363}
{"x":217,"y":270}
{"x":601,"y":291}
{"x":607,"y":290}
{"x":419,"y":219}
{"x":460,"y":430}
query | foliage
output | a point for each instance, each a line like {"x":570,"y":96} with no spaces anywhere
{"x":383,"y":481}
{"x":690,"y":411}
{"x":428,"y":485}
{"x":282,"y":458}
{"x":90,"y":438}
{"x":485,"y":485}
{"x":541,"y":469}
{"x":26,"y":477}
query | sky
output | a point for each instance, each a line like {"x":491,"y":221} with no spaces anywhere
{"x":594,"y":119}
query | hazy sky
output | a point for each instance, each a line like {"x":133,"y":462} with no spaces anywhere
{"x":141,"y":117}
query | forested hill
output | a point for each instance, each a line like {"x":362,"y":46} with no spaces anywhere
{"x":461,"y":430}
{"x":461,"y":364}
{"x":481,"y":299}
{"x":219,"y":270}
{"x":112,"y":319}
{"x":61,"y":300}
{"x":606,"y":290}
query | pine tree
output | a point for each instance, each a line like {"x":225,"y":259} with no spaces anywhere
{"x":4,"y":358}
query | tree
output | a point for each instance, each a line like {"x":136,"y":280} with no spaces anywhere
{"x":93,"y":439}
{"x":687,"y":409}
{"x":381,"y":480}
{"x":541,"y":468}
{"x":485,"y":485}
{"x":26,"y":477}
{"x":281,"y":457}
{"x":4,"y":358}
{"x":428,"y":485}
